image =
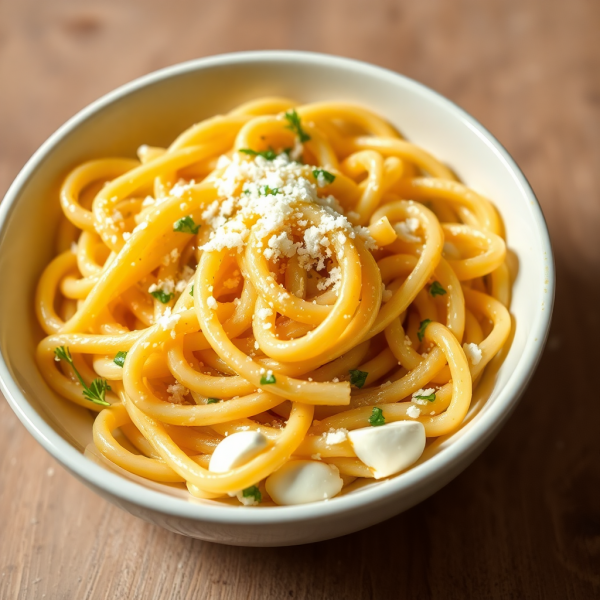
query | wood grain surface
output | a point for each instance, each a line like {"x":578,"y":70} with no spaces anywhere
{"x":524,"y":520}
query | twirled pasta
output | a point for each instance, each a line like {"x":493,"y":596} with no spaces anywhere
{"x":287,"y":269}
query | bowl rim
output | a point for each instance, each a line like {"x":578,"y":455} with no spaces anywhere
{"x":467,"y":445}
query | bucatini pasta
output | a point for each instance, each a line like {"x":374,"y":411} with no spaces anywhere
{"x":287,"y":298}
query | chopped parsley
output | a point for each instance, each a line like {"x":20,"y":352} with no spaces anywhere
{"x":422,"y":328}
{"x":265,"y":190}
{"x":120,"y":358}
{"x":192,"y":290}
{"x":436,"y":289}
{"x":161,"y":296}
{"x":96,"y":391}
{"x":431,"y":397}
{"x":269,"y":154}
{"x":252,"y":492}
{"x":376,"y":419}
{"x":212,"y":401}
{"x":294,"y":125}
{"x":267,"y":378}
{"x":358,"y":378}
{"x":326,"y":175}
{"x":186,"y":225}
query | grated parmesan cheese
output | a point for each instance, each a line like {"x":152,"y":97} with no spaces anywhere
{"x":422,"y":392}
{"x":333,"y":281}
{"x":280,"y":245}
{"x":177,"y":393}
{"x":169,"y":319}
{"x":166,"y":285}
{"x":406,"y":230}
{"x":184,"y":278}
{"x":269,"y":195}
{"x":473,"y":353}
{"x":336,"y":436}
{"x":263,"y":313}
{"x":413,"y":412}
{"x":182,"y":186}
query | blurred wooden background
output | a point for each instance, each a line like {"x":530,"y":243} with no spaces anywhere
{"x":524,"y":520}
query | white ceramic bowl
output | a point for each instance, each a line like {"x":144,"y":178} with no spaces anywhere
{"x":153,"y":110}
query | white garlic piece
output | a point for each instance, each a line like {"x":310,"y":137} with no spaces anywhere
{"x":389,"y":448}
{"x":236,"y":450}
{"x":304,"y":481}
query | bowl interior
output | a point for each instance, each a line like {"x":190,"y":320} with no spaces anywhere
{"x":161,"y":106}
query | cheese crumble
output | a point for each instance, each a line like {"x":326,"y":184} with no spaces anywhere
{"x":473,"y":353}
{"x":413,"y":412}
{"x":268,"y":196}
{"x":422,"y":392}
{"x":177,"y":393}
{"x":407,"y":229}
{"x":169,"y":319}
{"x":336,"y":436}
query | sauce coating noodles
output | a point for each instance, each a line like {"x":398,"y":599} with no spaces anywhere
{"x":300,"y":271}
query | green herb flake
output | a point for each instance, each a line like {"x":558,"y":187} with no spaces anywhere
{"x":212,"y":401}
{"x":192,"y":291}
{"x":431,"y":397}
{"x":265,"y":190}
{"x":120,"y":358}
{"x":295,"y":125}
{"x":186,"y":225}
{"x":323,"y":174}
{"x":376,"y":419}
{"x":358,"y":378}
{"x":96,"y":391}
{"x":436,"y":289}
{"x":268,"y":378}
{"x":161,"y":296}
{"x":252,"y":492}
{"x":63,"y":353}
{"x":269,"y":154}
{"x":422,"y":328}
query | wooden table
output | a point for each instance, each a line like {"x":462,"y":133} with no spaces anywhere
{"x":524,"y":520}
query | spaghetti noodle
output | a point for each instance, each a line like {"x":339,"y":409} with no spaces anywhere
{"x":292,"y":272}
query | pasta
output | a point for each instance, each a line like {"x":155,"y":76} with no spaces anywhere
{"x":238,"y":306}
